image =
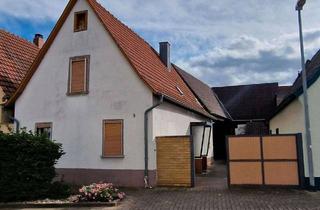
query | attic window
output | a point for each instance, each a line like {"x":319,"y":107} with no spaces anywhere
{"x":80,"y":21}
{"x":179,"y":90}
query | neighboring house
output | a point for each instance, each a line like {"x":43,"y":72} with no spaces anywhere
{"x":250,"y":106}
{"x":289,"y":116}
{"x":16,"y":57}
{"x":105,"y":94}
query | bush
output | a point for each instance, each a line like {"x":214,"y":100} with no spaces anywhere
{"x":27,"y":166}
{"x":104,"y":192}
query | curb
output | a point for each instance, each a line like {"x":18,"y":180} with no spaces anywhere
{"x":58,"y":205}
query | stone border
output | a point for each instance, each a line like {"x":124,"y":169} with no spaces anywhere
{"x":58,"y":205}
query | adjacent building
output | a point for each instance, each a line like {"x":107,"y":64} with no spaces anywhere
{"x":289,"y":115}
{"x":16,"y":57}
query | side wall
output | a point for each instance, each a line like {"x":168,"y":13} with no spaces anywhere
{"x":77,"y":120}
{"x":171,"y":120}
{"x":4,"y":125}
{"x":291,"y":120}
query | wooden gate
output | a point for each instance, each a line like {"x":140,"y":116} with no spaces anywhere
{"x":175,"y":161}
{"x":265,"y":160}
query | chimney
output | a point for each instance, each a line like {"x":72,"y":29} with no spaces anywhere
{"x":38,"y":40}
{"x":165,"y":54}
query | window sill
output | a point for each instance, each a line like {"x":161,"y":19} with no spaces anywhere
{"x":78,"y":94}
{"x":79,"y":30}
{"x":111,"y":156}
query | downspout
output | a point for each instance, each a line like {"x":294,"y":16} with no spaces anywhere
{"x":146,"y":152}
{"x":16,"y":121}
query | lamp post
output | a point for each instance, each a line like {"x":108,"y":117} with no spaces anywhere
{"x":299,"y":8}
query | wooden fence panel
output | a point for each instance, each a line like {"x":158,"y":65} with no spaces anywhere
{"x":174,"y":158}
{"x":265,"y":160}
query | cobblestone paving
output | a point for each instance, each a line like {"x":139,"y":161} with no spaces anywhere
{"x":211,"y":192}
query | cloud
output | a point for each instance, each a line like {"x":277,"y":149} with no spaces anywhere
{"x":250,"y":60}
{"x":33,"y":10}
{"x":222,"y":42}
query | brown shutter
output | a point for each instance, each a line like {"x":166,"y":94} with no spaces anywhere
{"x":113,"y":138}
{"x":78,"y":76}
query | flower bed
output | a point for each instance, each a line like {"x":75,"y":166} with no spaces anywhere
{"x":103,"y":192}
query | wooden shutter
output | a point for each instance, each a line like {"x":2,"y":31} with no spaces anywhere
{"x":78,"y":76}
{"x":113,"y":138}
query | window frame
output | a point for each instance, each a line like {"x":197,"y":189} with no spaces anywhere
{"x":75,"y":29}
{"x":104,"y":122}
{"x":86,"y":59}
{"x":43,"y":125}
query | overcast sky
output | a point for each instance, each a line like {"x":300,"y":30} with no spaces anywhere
{"x":226,"y":42}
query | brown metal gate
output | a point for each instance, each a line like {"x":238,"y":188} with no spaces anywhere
{"x":175,"y":161}
{"x":265,"y":160}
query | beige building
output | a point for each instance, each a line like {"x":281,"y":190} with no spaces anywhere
{"x":289,"y":117}
{"x":16,"y":57}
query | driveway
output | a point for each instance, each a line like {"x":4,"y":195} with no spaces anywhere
{"x":211,"y":192}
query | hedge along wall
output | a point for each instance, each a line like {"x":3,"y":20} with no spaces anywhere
{"x":27,"y":166}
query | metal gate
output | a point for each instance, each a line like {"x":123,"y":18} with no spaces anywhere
{"x":265,"y":160}
{"x":175,"y":161}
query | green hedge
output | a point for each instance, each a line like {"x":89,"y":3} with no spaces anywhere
{"x":27,"y":166}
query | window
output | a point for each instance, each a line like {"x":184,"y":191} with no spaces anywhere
{"x":112,"y":138}
{"x":79,"y":75}
{"x":44,"y":129}
{"x":80,"y":21}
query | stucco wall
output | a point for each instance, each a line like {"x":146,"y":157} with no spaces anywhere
{"x":170,"y":120}
{"x":115,"y":92}
{"x":291,"y":120}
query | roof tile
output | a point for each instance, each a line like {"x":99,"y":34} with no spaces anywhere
{"x":16,"y":56}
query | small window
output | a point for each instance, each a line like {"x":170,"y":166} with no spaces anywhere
{"x":81,"y":21}
{"x":44,"y":129}
{"x":112,"y":138}
{"x":79,"y":75}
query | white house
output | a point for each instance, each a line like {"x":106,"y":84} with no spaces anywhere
{"x":289,"y":117}
{"x":105,"y":94}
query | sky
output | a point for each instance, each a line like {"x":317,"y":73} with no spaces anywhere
{"x":227,"y":42}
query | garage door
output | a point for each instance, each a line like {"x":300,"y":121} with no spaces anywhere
{"x":174,"y":161}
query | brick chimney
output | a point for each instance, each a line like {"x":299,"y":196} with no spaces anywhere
{"x":165,"y":54}
{"x":38,"y":40}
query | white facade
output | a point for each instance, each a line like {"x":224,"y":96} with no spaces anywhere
{"x":170,"y":120}
{"x":291,"y":120}
{"x":115,"y":92}
{"x":77,"y":120}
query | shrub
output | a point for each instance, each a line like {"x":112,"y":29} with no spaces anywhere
{"x":27,"y":166}
{"x":104,"y":192}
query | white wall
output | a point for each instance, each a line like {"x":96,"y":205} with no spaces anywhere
{"x":291,"y":120}
{"x":170,"y":120}
{"x":115,"y":92}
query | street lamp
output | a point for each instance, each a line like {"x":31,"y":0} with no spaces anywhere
{"x":299,"y":8}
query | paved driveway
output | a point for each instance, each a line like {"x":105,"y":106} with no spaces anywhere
{"x":211,"y":192}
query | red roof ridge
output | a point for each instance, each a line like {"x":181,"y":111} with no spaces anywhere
{"x":103,"y":8}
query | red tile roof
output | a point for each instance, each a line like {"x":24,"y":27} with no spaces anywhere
{"x":16,"y":57}
{"x":142,"y":57}
{"x":205,"y":94}
{"x":146,"y":62}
